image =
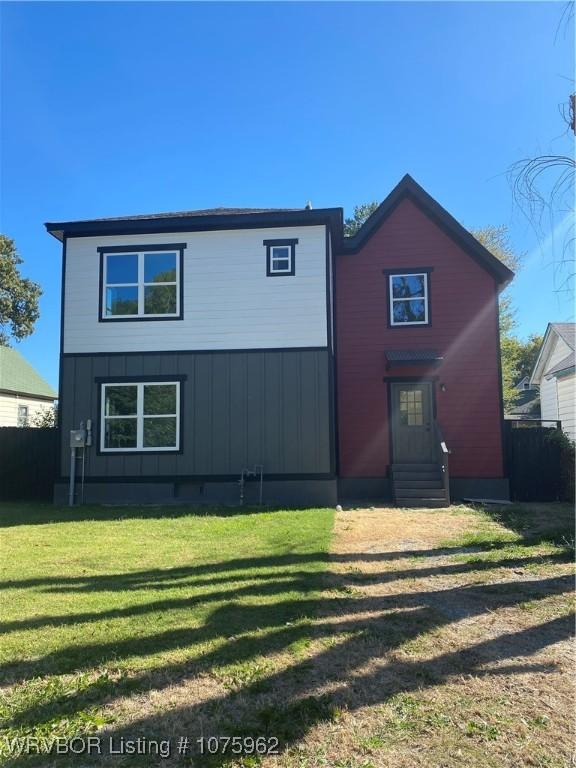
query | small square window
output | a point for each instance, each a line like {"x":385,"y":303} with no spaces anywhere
{"x":280,"y":257}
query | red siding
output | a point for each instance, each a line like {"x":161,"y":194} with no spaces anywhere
{"x":464,"y":314}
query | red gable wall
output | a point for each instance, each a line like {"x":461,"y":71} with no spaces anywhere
{"x":464,"y":315}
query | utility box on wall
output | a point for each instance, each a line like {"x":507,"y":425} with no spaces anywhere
{"x":77,"y":438}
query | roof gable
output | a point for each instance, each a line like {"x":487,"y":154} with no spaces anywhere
{"x":567,"y":332}
{"x":17,"y":375}
{"x":409,"y":189}
{"x":563,"y":334}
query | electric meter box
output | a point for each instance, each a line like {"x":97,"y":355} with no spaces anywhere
{"x":77,"y":438}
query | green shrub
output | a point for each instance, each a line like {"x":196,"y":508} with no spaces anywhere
{"x":559,"y":442}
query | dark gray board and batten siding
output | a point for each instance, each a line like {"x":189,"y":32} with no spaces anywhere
{"x":239,"y":409}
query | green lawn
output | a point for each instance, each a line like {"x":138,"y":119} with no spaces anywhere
{"x":429,"y":638}
{"x":104,"y":603}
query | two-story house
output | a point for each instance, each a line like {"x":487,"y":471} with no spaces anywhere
{"x":204,"y":344}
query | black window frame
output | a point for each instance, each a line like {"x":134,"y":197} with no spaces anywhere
{"x":400,"y":271}
{"x":292,"y":243}
{"x":99,"y":381}
{"x":104,"y":250}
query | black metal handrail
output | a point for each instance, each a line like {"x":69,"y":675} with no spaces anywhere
{"x":443,"y":457}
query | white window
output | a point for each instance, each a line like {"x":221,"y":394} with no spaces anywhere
{"x":140,"y":416}
{"x":22,"y":416}
{"x":140,"y":285}
{"x":280,"y":257}
{"x":409,"y":299}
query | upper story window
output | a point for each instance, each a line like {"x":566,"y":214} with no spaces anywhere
{"x":409,"y":298}
{"x":144,"y":282}
{"x":138,"y":416}
{"x":280,"y":257}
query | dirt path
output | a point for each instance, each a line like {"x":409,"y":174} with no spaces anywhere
{"x":461,"y":654}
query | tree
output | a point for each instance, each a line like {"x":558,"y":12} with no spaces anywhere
{"x":18,"y":296}
{"x":527,"y":355}
{"x":497,"y":240}
{"x":361,"y":213}
{"x":46,"y":417}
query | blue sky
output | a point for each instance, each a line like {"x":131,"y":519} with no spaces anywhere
{"x":119,"y":108}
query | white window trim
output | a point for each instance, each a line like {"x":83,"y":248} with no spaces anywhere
{"x":139,"y":416}
{"x":140,"y":285}
{"x":25,"y":409}
{"x":416,"y":298}
{"x":273,"y":258}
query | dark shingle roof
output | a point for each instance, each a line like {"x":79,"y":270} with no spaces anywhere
{"x":399,"y":356}
{"x":567,"y":332}
{"x":568,"y":362}
{"x":187,"y":214}
{"x":17,"y":375}
{"x":197,"y":220}
{"x":527,"y":404}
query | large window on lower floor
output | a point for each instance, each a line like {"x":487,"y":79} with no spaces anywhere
{"x":140,"y":416}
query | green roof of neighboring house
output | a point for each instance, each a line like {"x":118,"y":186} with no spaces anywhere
{"x":17,"y":375}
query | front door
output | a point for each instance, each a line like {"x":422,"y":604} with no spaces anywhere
{"x":412,"y":429}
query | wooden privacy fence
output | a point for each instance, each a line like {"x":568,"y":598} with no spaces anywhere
{"x":28,"y":457}
{"x":539,"y":461}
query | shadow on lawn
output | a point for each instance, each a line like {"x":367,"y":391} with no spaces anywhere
{"x":553,"y":522}
{"x":30,"y":513}
{"x":354,"y":631}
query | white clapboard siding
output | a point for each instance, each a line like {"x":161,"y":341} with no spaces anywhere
{"x":566,"y":404}
{"x":9,"y":408}
{"x":548,"y":399}
{"x":229,"y":302}
{"x":548,"y":389}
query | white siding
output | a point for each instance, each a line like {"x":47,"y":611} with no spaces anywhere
{"x":566,"y":405}
{"x":558,"y":351}
{"x":548,"y":399}
{"x":9,"y":408}
{"x":229,"y":302}
{"x":548,"y":388}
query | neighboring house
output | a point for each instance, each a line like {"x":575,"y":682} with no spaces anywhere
{"x":523,"y":384}
{"x":205,"y":343}
{"x":554,"y":375}
{"x":527,"y":403}
{"x":24,"y":394}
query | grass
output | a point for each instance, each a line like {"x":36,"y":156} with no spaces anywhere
{"x":529,"y":537}
{"x":385,"y":643}
{"x":101,"y":604}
